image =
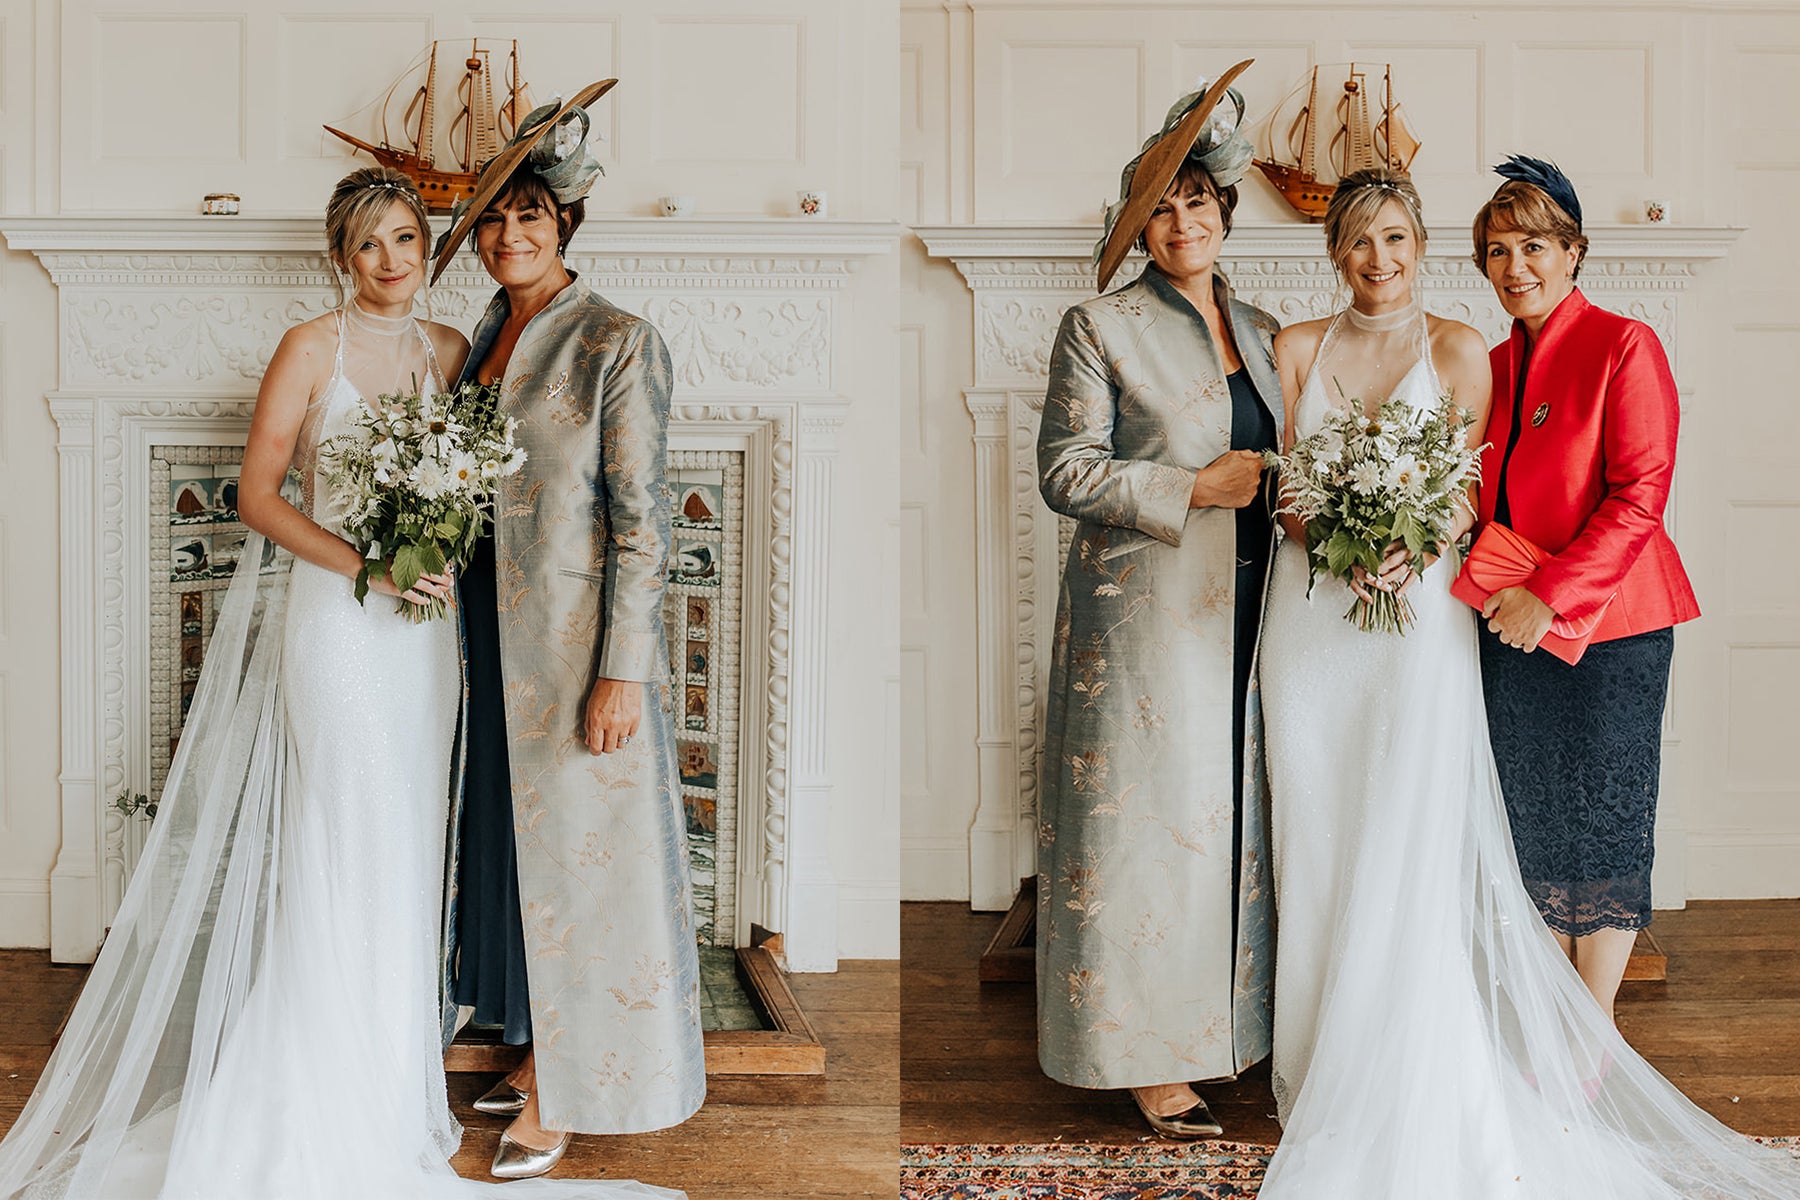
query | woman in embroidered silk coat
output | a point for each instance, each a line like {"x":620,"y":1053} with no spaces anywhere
{"x":582,"y":764}
{"x":1155,"y":907}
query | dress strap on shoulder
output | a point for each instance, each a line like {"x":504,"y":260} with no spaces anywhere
{"x":1325,"y":342}
{"x":337,"y":362}
{"x":1425,"y":352}
{"x":431,"y":359}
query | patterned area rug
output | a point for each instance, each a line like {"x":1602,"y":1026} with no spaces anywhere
{"x":1055,"y":1171}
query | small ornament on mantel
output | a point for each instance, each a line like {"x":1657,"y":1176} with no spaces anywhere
{"x":219,"y":204}
{"x":1319,"y":134}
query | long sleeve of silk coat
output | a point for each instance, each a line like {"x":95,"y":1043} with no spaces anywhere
{"x":635,"y":562}
{"x":1082,"y":471}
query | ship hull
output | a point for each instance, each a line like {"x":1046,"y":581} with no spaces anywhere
{"x":440,"y":189}
{"x":1307,"y":196}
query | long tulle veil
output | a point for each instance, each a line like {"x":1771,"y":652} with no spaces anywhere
{"x":187,"y":940}
{"x":1457,"y":1054}
{"x":122,"y":1109}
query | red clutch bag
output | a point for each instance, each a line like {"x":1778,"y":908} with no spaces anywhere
{"x":1501,"y":558}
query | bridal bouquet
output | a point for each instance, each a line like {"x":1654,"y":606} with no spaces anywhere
{"x":415,"y":485}
{"x":1360,"y":484}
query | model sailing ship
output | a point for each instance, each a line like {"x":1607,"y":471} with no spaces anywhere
{"x":1334,"y":130}
{"x":474,"y":135}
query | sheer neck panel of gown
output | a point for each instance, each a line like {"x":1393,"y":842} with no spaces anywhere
{"x":1366,"y":358}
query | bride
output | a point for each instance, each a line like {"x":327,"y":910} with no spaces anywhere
{"x":264,"y":1017}
{"x":1431,"y":1039}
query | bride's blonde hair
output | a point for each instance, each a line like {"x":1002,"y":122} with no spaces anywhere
{"x":1357,"y":201}
{"x":357,"y":207}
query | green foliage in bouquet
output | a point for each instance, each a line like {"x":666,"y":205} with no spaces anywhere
{"x":414,"y":488}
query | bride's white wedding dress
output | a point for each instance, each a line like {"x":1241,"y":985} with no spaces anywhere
{"x":1432,"y":1042}
{"x":264,"y":1017}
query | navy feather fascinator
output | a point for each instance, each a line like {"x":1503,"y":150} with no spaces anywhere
{"x":1545,"y":175}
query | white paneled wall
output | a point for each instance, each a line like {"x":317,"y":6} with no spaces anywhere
{"x":1023,"y":111}
{"x":1746,"y":496}
{"x":29,"y":750}
{"x":141,"y":106}
{"x":935,"y":356}
{"x":731,"y":101}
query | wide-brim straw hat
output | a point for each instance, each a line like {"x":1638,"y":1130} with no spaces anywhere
{"x":1156,"y":170}
{"x":499,"y":171}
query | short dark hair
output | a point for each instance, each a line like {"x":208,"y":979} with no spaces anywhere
{"x":526,"y":189}
{"x":1192,"y":177}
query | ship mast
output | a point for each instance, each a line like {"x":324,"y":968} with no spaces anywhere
{"x":1359,"y":153}
{"x":1387,"y":114}
{"x":1309,"y":139}
{"x":515,"y":107}
{"x":428,"y":113}
{"x":480,"y":142}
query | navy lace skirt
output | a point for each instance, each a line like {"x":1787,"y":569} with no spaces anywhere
{"x":1579,"y":750}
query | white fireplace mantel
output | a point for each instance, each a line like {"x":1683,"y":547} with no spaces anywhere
{"x":165,"y":325}
{"x":1023,"y":277}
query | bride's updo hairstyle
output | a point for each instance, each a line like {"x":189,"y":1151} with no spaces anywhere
{"x":358,"y":205}
{"x":1356,"y":203}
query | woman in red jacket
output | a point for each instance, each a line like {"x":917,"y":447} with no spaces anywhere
{"x":1581,"y":454}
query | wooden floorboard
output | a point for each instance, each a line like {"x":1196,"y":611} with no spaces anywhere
{"x":1724,"y":1026}
{"x":831,"y":1137}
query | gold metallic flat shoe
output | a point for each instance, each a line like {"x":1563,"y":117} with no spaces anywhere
{"x":502,"y":1100}
{"x":514,"y":1160}
{"x":1195,"y":1122}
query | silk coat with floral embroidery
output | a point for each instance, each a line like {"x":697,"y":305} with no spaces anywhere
{"x":1155,"y":906}
{"x":581,"y":548}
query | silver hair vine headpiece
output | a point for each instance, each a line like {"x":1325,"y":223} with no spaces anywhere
{"x":389,"y":184}
{"x":1392,"y":187}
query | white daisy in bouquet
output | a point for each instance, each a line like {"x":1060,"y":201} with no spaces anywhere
{"x":1361,"y":484}
{"x":414,"y":486}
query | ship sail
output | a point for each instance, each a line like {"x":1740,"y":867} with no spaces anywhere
{"x":1359,"y":135}
{"x":476,"y":91}
{"x":1402,"y":143}
{"x":518,"y":97}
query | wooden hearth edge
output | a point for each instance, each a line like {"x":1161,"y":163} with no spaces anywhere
{"x":790,"y":1046}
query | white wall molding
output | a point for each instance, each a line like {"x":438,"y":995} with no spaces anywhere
{"x":795,"y":240}
{"x":24,"y":910}
{"x":76,"y":894}
{"x":165,"y":328}
{"x":812,"y":886}
{"x":1022,"y":278}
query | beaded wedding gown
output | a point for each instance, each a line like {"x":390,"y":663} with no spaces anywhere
{"x":264,"y":1017}
{"x":1431,"y":1039}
